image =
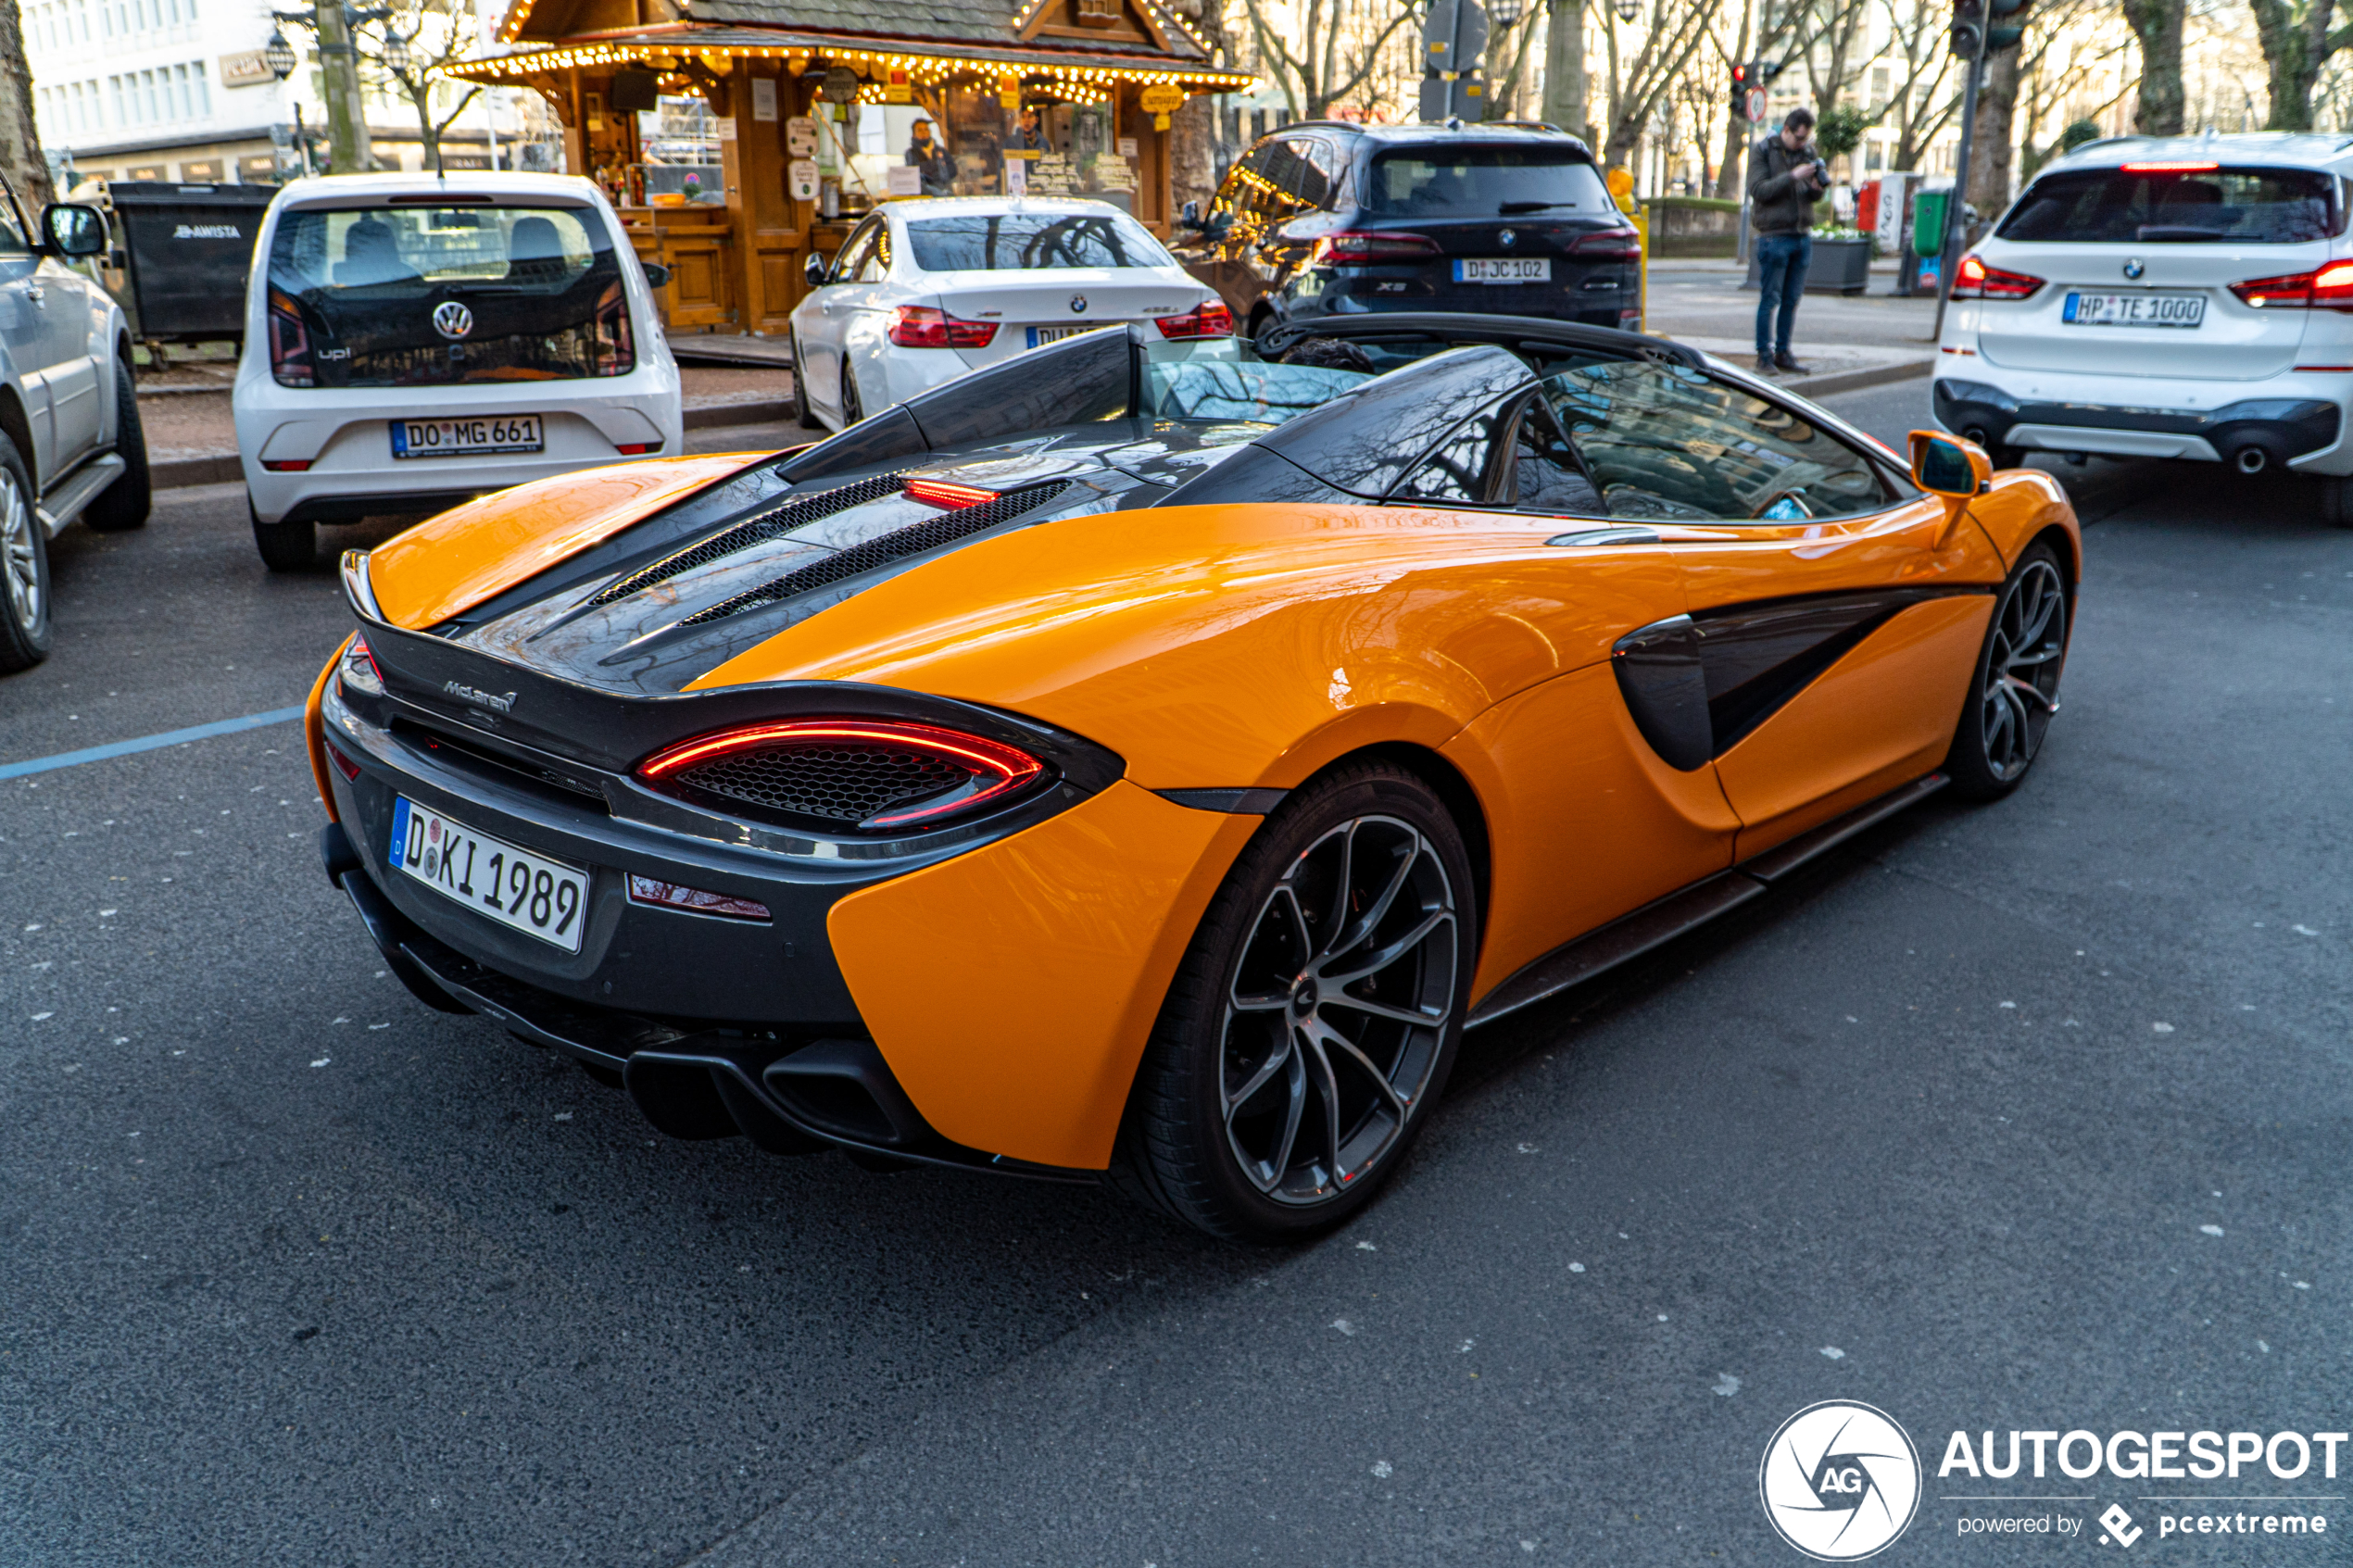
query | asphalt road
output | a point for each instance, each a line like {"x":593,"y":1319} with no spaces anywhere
{"x":2032,"y":1116}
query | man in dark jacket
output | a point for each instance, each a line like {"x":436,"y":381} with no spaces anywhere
{"x":1785,"y":178}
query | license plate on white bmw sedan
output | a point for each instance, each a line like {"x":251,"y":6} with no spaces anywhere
{"x":2135,"y":309}
{"x":484,"y":437}
{"x":518,"y":888}
{"x":1040,"y":336}
{"x":1504,"y":270}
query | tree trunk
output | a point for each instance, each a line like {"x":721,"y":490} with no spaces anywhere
{"x":2293,"y":50}
{"x":1565,"y":66}
{"x":20,"y":157}
{"x":1990,"y":152}
{"x":1738,"y":133}
{"x":420,"y":99}
{"x":2157,"y":24}
{"x":1192,"y":141}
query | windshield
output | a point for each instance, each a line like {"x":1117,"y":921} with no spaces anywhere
{"x":443,"y":295}
{"x":1219,"y":382}
{"x":1483,"y":181}
{"x":1025,"y":241}
{"x":2177,"y":205}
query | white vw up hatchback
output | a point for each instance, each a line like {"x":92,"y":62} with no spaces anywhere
{"x":412,"y":342}
{"x":2165,"y":298}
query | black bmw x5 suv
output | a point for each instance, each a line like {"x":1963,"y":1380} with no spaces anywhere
{"x":1329,"y":218}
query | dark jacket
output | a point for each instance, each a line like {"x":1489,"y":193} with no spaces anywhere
{"x":1779,"y":203}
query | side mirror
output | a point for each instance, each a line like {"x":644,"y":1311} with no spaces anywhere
{"x":1946,"y":465}
{"x":74,"y":230}
{"x":657,"y":275}
{"x":814,"y":270}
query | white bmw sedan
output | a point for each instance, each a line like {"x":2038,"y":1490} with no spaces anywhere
{"x":926,"y":290}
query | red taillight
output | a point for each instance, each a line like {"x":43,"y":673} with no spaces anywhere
{"x":616,"y":346}
{"x":671,"y":894}
{"x":948,"y":492}
{"x":1613,"y":245}
{"x":343,"y":765}
{"x":1209,"y":320}
{"x":1355,"y":248}
{"x":289,"y":341}
{"x":2171,"y":167}
{"x":1973,"y":280}
{"x":636,"y":448}
{"x":921,"y":326}
{"x":360,"y":672}
{"x":287,"y":465}
{"x":865,"y":774}
{"x":2329,"y":288}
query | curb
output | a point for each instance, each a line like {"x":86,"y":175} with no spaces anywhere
{"x":223,"y":467}
{"x":1855,"y":381}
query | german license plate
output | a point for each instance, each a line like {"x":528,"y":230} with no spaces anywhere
{"x":2135,"y":309}
{"x":484,"y":437}
{"x":519,"y":888}
{"x":1040,"y":336}
{"x":1504,"y":270}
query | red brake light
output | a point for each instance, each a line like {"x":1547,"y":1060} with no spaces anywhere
{"x":2171,"y":167}
{"x":343,"y":765}
{"x":1973,"y":280}
{"x":2332,"y":286}
{"x":636,"y":448}
{"x":948,"y":492}
{"x":1611,"y":244}
{"x":287,"y":465}
{"x":864,"y":774}
{"x":1354,"y":248}
{"x":1208,"y":320}
{"x":921,"y":326}
{"x":289,"y":341}
{"x":2329,"y":288}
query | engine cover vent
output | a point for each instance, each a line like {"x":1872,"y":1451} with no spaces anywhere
{"x":796,"y":512}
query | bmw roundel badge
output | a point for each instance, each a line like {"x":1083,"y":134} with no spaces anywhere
{"x":1506,"y":237}
{"x":1079,"y":305}
{"x":452,"y":319}
{"x":2133,"y":269}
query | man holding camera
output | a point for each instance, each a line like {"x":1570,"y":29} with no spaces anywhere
{"x":1785,"y":178}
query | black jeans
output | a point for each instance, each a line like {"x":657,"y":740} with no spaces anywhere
{"x":1781,"y":263}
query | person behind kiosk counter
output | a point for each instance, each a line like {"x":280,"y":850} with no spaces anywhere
{"x":939,"y":170}
{"x":1028,"y":136}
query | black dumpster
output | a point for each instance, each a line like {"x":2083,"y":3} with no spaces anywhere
{"x":184,"y":251}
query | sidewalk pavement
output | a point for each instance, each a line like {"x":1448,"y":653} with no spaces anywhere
{"x":1846,"y":341}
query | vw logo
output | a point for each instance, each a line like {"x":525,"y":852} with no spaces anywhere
{"x":1840,"y":1481}
{"x":1079,"y":305}
{"x":452,"y":319}
{"x":2133,"y":269}
{"x":1506,"y":237}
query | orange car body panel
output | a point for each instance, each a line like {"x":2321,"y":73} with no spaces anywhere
{"x":1043,"y":960}
{"x":1586,"y":821}
{"x":2026,"y":505}
{"x":314,"y":730}
{"x":1232,"y":646}
{"x":485,"y":546}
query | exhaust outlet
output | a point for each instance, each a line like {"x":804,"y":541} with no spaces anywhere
{"x":2251,"y":460}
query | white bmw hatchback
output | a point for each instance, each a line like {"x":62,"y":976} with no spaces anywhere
{"x":412,"y":342}
{"x":926,"y":290}
{"x":2182,"y":298}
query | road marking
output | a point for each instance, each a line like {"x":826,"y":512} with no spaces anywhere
{"x":149,"y":743}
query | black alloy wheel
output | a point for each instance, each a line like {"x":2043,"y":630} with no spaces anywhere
{"x":124,"y":504}
{"x":1315,"y":1016}
{"x":851,"y":411}
{"x":2016,"y":691}
{"x":284,"y":547}
{"x":798,"y":412}
{"x":24,"y":568}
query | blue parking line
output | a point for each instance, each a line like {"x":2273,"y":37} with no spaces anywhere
{"x":149,"y":743}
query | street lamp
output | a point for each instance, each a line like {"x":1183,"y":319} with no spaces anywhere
{"x":1503,"y":13}
{"x":279,"y":55}
{"x":1627,"y":9}
{"x":396,"y":52}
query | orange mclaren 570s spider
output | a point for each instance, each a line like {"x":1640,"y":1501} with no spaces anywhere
{"x":1142,"y":761}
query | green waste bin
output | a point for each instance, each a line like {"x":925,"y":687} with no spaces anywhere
{"x":1928,"y":222}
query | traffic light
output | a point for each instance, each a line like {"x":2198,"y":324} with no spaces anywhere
{"x":1968,"y":27}
{"x":2000,"y":38}
{"x":1739,"y":89}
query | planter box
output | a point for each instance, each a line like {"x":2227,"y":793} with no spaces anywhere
{"x":1838,"y":266}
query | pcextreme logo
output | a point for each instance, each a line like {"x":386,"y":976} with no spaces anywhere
{"x":1840,"y":1481}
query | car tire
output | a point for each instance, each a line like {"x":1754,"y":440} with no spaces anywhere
{"x":853,"y":407}
{"x":124,"y":505}
{"x":284,"y":547}
{"x":2014,"y":691}
{"x":24,"y":568}
{"x":1259,"y":1053}
{"x":2007,"y":457}
{"x":800,"y":415}
{"x":2336,"y":501}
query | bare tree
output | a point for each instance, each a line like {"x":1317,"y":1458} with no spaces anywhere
{"x":1193,"y":128}
{"x":1638,"y":84}
{"x":1925,"y":100}
{"x":20,"y":157}
{"x":2297,"y":42}
{"x":1832,"y":37}
{"x":2158,"y":25}
{"x":1324,"y":50}
{"x":431,"y":34}
{"x":1731,"y":49}
{"x":1566,"y":93}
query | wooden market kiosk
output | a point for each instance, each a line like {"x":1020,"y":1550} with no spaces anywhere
{"x":785,"y":83}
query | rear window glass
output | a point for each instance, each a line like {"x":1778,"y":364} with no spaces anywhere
{"x":1023,"y":242}
{"x":1488,"y":181}
{"x":443,"y":295}
{"x":2132,"y":205}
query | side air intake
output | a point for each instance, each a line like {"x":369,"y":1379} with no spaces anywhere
{"x":876,"y":553}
